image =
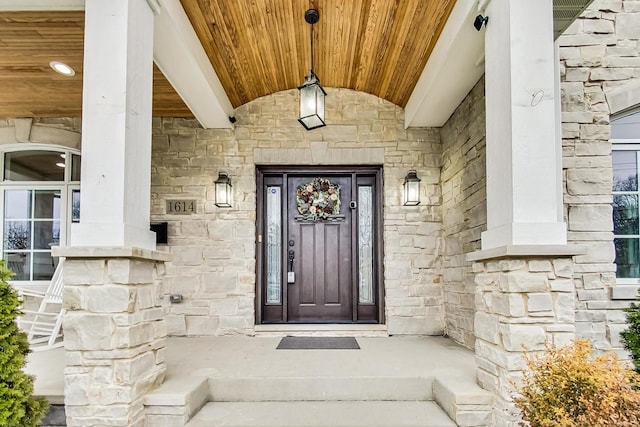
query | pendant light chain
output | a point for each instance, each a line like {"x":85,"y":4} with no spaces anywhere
{"x":312,"y":49}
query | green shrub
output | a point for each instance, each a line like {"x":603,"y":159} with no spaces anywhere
{"x":568,"y":388}
{"x":631,"y":335}
{"x":18,"y":407}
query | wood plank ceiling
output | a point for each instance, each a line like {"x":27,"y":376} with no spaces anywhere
{"x":30,"y":88}
{"x":257,"y":47}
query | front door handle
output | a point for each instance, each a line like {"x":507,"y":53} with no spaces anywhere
{"x":291,"y":276}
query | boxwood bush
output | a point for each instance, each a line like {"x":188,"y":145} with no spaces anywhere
{"x":18,"y":407}
{"x":631,"y":335}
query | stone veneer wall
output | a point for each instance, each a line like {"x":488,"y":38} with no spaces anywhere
{"x":599,"y":52}
{"x":464,"y":202}
{"x":214,"y":250}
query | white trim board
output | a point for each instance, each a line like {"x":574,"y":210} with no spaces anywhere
{"x":40,"y":5}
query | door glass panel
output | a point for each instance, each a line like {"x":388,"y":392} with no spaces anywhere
{"x":626,"y":127}
{"x":46,"y":234}
{"x":75,"y":167}
{"x":17,"y":204}
{"x":17,"y":235}
{"x":47,"y":204}
{"x":625,"y":170}
{"x":75,"y":206}
{"x":627,"y":257}
{"x":625,"y":214}
{"x":365,"y":244}
{"x":33,"y":166}
{"x":43,"y":266}
{"x":19,"y":263}
{"x":274,"y":245}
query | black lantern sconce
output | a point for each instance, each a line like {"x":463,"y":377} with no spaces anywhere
{"x":411,"y":189}
{"x":311,"y":93}
{"x":223,"y":190}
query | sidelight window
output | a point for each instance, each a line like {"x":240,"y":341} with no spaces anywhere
{"x":365,"y":245}
{"x":274,"y":245}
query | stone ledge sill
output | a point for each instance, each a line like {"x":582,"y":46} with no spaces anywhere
{"x":179,"y":392}
{"x":625,"y":292}
{"x":523,"y":251}
{"x":84,"y":252}
{"x":349,"y":329}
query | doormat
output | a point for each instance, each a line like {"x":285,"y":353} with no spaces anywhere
{"x":318,"y":343}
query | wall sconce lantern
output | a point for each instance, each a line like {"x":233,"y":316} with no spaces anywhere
{"x":411,"y":189}
{"x":223,"y":190}
{"x":311,"y":93}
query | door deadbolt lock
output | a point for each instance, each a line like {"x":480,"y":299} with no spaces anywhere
{"x":353,"y":204}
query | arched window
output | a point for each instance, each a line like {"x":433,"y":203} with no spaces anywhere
{"x":625,"y":138}
{"x":40,"y":198}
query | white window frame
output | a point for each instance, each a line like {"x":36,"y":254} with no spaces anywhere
{"x":65,"y":187}
{"x":627,"y":145}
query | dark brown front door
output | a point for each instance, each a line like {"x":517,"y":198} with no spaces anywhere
{"x":318,"y":246}
{"x":322,"y":284}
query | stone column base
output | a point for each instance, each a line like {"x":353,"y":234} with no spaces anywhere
{"x":114,"y":333}
{"x":524,"y":299}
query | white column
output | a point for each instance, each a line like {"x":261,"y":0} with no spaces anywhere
{"x":524,"y":184}
{"x":116,"y":125}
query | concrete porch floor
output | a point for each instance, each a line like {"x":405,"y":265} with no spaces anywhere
{"x":240,"y":356}
{"x":227,"y":359}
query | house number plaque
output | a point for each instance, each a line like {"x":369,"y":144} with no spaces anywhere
{"x":181,"y":207}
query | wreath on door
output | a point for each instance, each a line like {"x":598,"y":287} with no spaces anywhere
{"x":318,"y":199}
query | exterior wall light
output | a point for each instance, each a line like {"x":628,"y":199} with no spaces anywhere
{"x":223,"y":190}
{"x":411,"y":189}
{"x":311,"y":93}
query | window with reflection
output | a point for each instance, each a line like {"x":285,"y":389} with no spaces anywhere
{"x":625,"y":135}
{"x":40,"y":196}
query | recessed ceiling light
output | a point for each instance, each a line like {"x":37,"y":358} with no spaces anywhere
{"x":60,"y":165}
{"x":62,"y":68}
{"x":63,"y":155}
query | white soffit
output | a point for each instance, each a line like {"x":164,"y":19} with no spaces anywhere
{"x":179,"y":55}
{"x":454,"y":67}
{"x":457,"y":61}
{"x":25,"y":5}
{"x":565,"y":12}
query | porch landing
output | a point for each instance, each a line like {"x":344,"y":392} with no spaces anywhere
{"x":234,"y":375}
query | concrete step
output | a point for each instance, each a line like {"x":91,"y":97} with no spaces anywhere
{"x":283,"y":389}
{"x":321,"y":414}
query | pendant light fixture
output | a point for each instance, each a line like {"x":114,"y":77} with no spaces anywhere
{"x":311,"y":93}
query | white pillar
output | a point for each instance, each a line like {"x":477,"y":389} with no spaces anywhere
{"x":524,"y":184}
{"x":116,"y":125}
